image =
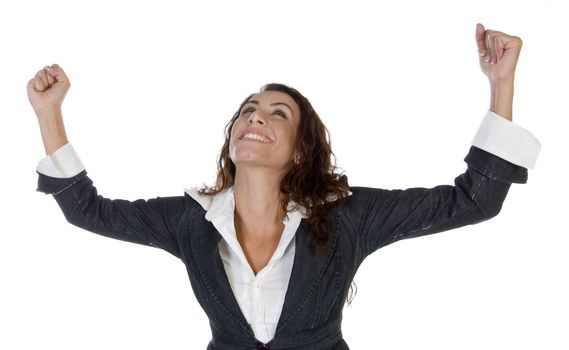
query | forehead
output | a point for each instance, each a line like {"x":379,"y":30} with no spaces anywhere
{"x":267,"y":97}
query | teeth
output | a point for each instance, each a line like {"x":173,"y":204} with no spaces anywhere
{"x":255,"y":137}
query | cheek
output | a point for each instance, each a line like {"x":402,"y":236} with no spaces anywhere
{"x":287,"y":143}
{"x":292,"y":135}
{"x":232,"y":137}
{"x":240,"y":123}
{"x":234,"y":131}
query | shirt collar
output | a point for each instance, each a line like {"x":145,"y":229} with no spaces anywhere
{"x":220,"y":210}
{"x":223,"y":204}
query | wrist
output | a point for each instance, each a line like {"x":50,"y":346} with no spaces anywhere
{"x":48,"y":114}
{"x":502,"y":83}
{"x":502,"y":98}
{"x":52,"y":130}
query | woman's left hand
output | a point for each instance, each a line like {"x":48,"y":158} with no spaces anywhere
{"x":498,"y":54}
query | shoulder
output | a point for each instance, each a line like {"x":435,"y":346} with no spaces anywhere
{"x":362,"y":195}
{"x":212,"y":205}
{"x":193,"y":197}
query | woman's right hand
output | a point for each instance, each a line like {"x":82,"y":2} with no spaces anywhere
{"x":47,"y":89}
{"x":46,"y":92}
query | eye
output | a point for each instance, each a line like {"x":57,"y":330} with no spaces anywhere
{"x":282,"y":114}
{"x":277,"y":111}
{"x":247,"y":110}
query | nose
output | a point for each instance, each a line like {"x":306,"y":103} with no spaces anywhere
{"x":257,"y":118}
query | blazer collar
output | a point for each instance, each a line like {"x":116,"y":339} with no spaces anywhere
{"x":306,"y":273}
{"x":220,"y":212}
{"x":223,"y":203}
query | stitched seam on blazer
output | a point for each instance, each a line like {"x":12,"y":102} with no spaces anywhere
{"x":315,"y":286}
{"x":489,"y":174}
{"x":211,"y":289}
{"x":69,"y":185}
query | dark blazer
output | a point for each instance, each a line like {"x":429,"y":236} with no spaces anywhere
{"x":311,"y":317}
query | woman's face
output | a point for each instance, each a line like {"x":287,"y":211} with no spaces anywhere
{"x":264,"y":134}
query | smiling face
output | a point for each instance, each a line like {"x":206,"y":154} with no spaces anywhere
{"x":264,"y":134}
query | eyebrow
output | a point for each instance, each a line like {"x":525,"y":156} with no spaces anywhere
{"x":272,"y":104}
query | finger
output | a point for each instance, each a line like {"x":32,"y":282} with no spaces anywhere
{"x":496,"y":42}
{"x":57,"y":72}
{"x":43,"y":74}
{"x":31,"y":84}
{"x":487,"y":42}
{"x":50,"y":77}
{"x":499,"y":48}
{"x":491,"y":42}
{"x":40,"y":80}
{"x":480,"y":31}
{"x":494,"y":51}
{"x":39,"y":84}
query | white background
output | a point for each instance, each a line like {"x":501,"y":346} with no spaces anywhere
{"x":399,"y":88}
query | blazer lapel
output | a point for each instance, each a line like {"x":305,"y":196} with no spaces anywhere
{"x":307,"y":271}
{"x":204,"y":254}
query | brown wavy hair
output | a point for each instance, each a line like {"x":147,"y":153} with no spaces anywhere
{"x":311,"y":181}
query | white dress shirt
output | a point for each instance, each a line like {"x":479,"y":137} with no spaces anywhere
{"x":261,"y":297}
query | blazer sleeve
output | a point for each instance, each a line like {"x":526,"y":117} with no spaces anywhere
{"x":150,"y":222}
{"x":381,"y":217}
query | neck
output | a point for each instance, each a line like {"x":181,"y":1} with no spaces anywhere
{"x":257,"y":197}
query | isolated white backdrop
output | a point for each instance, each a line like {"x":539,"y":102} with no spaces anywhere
{"x":397,"y":84}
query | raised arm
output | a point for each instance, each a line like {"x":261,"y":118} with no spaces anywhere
{"x":381,"y":217}
{"x":501,"y":154}
{"x":499,"y":53}
{"x":150,"y":222}
{"x":46,"y":91}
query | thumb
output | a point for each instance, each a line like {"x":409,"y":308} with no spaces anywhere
{"x":480,"y":38}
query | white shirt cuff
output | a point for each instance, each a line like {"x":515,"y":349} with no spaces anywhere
{"x":503,"y":138}
{"x":62,"y":163}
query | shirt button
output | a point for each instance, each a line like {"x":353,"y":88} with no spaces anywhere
{"x":261,"y":346}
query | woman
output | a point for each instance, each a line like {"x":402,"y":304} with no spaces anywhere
{"x":271,"y":249}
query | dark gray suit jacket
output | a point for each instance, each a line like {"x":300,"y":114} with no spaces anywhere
{"x":311,"y":317}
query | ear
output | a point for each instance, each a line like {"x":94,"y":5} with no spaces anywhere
{"x":296,"y":158}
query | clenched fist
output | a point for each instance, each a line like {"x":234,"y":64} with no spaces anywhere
{"x":47,"y":89}
{"x":498,"y":53}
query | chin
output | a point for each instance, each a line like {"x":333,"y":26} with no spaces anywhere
{"x":254,"y":158}
{"x":248,"y":154}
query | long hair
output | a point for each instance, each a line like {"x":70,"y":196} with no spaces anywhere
{"x":311,"y":181}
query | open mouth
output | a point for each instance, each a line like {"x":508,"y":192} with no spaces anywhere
{"x":255,"y":137}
